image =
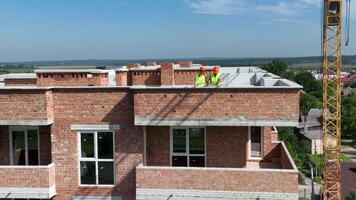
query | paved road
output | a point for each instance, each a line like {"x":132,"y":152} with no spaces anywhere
{"x":348,"y":150}
{"x":305,"y":190}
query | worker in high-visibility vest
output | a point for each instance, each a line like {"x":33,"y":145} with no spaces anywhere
{"x":215,"y":77}
{"x":201,"y":77}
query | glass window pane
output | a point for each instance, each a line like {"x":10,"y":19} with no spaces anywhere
{"x":106,"y":173}
{"x":87,"y":173}
{"x":196,"y":141}
{"x":197,"y":161}
{"x":87,"y":145}
{"x":18,"y":148}
{"x":105,"y":145}
{"x":256,"y":142}
{"x":32,"y":140}
{"x":179,"y":161}
{"x":179,"y":140}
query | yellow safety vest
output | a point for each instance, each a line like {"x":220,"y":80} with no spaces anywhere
{"x":200,"y":80}
{"x":214,"y":79}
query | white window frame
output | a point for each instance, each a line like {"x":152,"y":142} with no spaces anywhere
{"x":187,"y":154}
{"x":249,"y":143}
{"x":95,"y":159}
{"x":25,"y":129}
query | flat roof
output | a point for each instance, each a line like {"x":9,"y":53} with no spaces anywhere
{"x":17,"y":76}
{"x":93,"y":71}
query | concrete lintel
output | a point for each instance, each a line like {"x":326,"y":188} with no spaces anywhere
{"x":140,"y":166}
{"x":140,"y":121}
{"x":96,"y":127}
{"x":18,"y":122}
{"x":25,"y":192}
{"x":96,"y":198}
{"x":189,"y":194}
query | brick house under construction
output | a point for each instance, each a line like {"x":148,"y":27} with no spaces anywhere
{"x":145,"y":132}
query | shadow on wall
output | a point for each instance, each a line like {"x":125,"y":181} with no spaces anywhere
{"x":173,"y":106}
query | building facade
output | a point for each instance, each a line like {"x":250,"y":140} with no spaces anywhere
{"x":150,"y":134}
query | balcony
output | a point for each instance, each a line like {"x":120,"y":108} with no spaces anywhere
{"x":266,"y":180}
{"x":26,"y":106}
{"x":27,"y":182}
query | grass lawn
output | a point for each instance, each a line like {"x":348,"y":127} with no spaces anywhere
{"x":302,"y":198}
{"x":345,"y":159}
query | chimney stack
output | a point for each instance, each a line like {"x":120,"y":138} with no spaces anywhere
{"x":133,"y":65}
{"x":167,"y":73}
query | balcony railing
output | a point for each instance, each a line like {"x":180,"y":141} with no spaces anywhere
{"x":27,"y":181}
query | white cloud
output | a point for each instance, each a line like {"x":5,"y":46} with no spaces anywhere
{"x":235,"y":7}
{"x":219,"y":7}
{"x":280,"y":8}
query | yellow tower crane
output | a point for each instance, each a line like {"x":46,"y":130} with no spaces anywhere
{"x":332,"y":45}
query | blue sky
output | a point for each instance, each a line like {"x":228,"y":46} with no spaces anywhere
{"x":123,"y":29}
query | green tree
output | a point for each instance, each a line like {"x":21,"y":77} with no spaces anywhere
{"x":310,"y":84}
{"x":279,"y":68}
{"x":308,"y":101}
{"x":349,"y":116}
{"x":352,"y":196}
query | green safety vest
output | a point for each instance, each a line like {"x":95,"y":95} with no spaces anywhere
{"x":200,"y":80}
{"x":214,"y":80}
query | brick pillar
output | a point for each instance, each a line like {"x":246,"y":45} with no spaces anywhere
{"x":121,"y":78}
{"x":167,"y":73}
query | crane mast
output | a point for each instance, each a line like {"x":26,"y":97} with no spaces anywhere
{"x":332,"y":44}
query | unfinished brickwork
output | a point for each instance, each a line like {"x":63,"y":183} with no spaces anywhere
{"x":72,"y":79}
{"x":20,"y":81}
{"x":216,"y":179}
{"x":19,"y":104}
{"x":226,"y":105}
{"x":144,"y":107}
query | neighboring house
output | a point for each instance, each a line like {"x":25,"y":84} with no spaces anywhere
{"x":151,"y":135}
{"x":344,"y":80}
{"x":310,"y":128}
{"x":347,"y":91}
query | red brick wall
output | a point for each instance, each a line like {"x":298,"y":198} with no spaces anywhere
{"x":23,"y":105}
{"x":210,"y":179}
{"x":72,"y":79}
{"x":4,"y":145}
{"x":146,"y":77}
{"x":27,"y":177}
{"x":95,"y":106}
{"x":158,"y":146}
{"x":20,"y":82}
{"x":222,"y":104}
{"x":226,"y":146}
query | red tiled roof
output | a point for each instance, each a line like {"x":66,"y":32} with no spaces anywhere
{"x":348,"y":178}
{"x":352,"y":77}
{"x":345,"y":79}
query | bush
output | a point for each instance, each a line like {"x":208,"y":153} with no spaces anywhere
{"x":352,"y":196}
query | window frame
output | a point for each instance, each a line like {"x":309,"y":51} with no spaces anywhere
{"x":25,"y":129}
{"x":187,"y":153}
{"x":95,"y":159}
{"x":262,"y":143}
